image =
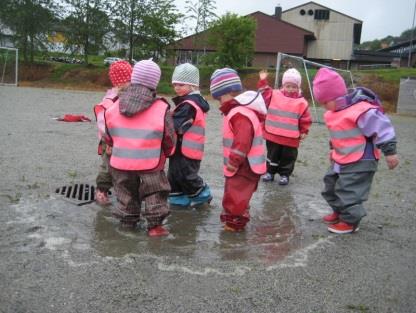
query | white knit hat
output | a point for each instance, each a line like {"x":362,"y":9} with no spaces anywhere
{"x":186,"y":74}
{"x":292,"y":75}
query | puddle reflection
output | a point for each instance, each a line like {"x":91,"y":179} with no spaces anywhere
{"x":197,"y":234}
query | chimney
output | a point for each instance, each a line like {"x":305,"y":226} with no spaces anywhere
{"x":278,"y":12}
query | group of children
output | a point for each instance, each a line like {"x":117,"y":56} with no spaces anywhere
{"x":138,"y":132}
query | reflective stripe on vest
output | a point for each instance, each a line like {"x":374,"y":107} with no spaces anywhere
{"x":256,"y":155}
{"x":137,"y":140}
{"x":194,"y":138}
{"x":348,"y":142}
{"x":283,"y":115}
{"x":99,"y":110}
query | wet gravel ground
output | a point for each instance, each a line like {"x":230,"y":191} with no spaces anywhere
{"x":56,"y":256}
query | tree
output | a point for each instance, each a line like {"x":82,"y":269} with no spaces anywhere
{"x":202,"y":12}
{"x":233,"y":38}
{"x":86,"y":26}
{"x":148,"y":25}
{"x":30,"y":21}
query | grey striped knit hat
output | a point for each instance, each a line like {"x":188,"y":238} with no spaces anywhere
{"x":186,"y":74}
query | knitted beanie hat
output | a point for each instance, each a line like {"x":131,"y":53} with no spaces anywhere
{"x":186,"y":74}
{"x":328,"y":85}
{"x":292,"y":75}
{"x":146,"y":73}
{"x":120,"y":73}
{"x":223,"y":81}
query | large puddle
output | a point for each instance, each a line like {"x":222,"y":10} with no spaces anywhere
{"x":276,"y":230}
{"x":197,"y":233}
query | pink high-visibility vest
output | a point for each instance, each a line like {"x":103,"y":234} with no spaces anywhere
{"x":193,"y":139}
{"x":348,"y":142}
{"x":137,"y":140}
{"x":256,"y":155}
{"x":283,"y":115}
{"x":99,"y":111}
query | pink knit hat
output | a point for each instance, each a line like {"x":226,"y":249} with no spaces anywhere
{"x":292,"y":76}
{"x":328,"y":85}
{"x":146,"y":73}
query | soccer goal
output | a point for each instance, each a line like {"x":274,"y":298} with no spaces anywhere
{"x":308,"y":70}
{"x":9,"y":66}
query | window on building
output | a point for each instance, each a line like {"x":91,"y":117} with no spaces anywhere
{"x":310,"y":12}
{"x":302,"y":12}
{"x":321,"y":14}
{"x":357,"y":33}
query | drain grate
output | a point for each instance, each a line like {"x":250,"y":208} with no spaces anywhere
{"x":78,"y":194}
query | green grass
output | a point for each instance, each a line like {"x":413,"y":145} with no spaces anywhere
{"x":392,"y":75}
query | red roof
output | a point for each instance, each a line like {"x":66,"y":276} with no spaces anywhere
{"x":272,"y":35}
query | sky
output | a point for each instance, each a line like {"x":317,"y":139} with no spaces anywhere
{"x":380,"y":17}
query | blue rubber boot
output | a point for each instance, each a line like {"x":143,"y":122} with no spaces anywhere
{"x":179,"y":200}
{"x":203,"y":197}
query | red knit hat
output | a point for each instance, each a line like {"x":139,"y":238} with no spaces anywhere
{"x":328,"y":85}
{"x":120,"y":73}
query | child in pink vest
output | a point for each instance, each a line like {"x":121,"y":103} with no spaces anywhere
{"x":188,"y":188}
{"x":141,"y":129}
{"x":119,"y":74}
{"x":358,"y":129}
{"x":243,"y":147}
{"x":287,"y":123}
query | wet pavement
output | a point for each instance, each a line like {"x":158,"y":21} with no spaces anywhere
{"x":56,"y":256}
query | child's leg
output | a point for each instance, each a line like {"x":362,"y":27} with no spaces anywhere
{"x":273,"y":156}
{"x":104,"y":181}
{"x":126,"y":187}
{"x":353,"y":189}
{"x":175,"y":174}
{"x":329,"y":194}
{"x":288,"y":156}
{"x":238,"y":191}
{"x":154,"y":190}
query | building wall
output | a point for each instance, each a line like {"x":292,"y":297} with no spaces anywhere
{"x":334,"y":37}
{"x":264,"y":60}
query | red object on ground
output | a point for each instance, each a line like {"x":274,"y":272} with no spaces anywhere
{"x":74,"y":118}
{"x":158,"y":231}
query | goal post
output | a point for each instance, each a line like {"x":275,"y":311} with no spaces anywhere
{"x":9,"y":66}
{"x":308,"y":70}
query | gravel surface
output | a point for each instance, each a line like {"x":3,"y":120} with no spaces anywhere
{"x":56,"y":256}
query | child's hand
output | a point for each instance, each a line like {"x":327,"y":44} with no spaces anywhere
{"x":302,"y":136}
{"x":108,"y":150}
{"x":263,"y":74}
{"x":392,"y":161}
{"x":231,"y":168}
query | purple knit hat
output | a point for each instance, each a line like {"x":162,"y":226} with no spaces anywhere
{"x":223,"y":81}
{"x":328,"y":85}
{"x":146,"y":73}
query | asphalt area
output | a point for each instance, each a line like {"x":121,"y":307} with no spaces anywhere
{"x":59,"y":256}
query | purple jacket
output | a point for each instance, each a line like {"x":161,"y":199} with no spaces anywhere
{"x":374,"y":124}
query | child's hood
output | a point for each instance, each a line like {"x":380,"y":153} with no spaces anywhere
{"x":357,"y":95}
{"x":252,"y":100}
{"x":196,"y":97}
{"x":136,"y":98}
